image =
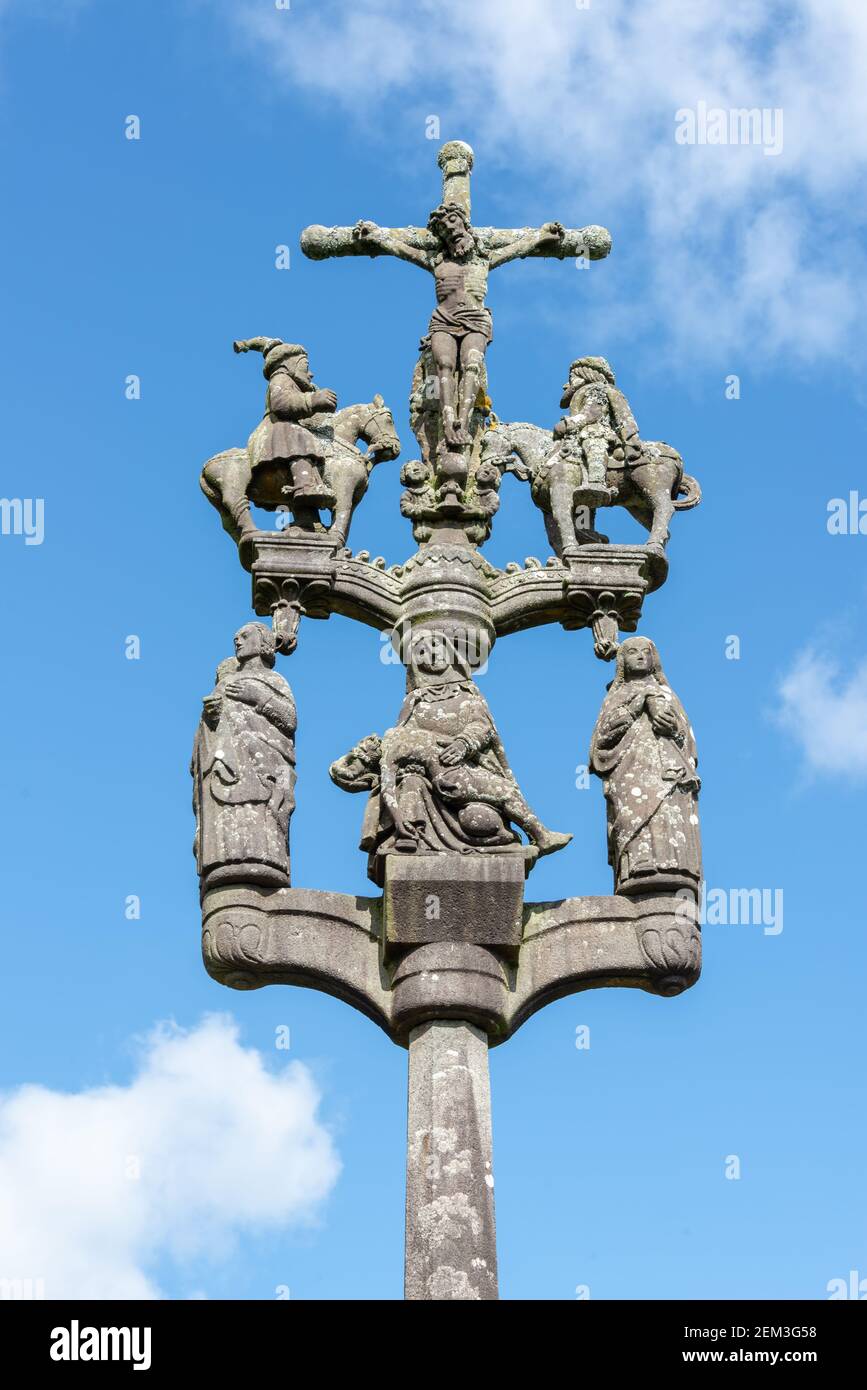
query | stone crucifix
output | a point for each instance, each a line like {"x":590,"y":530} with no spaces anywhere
{"x":446,"y":955}
{"x":459,"y":256}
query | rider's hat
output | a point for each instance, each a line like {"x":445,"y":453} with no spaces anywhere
{"x":596,"y":364}
{"x":274,"y":351}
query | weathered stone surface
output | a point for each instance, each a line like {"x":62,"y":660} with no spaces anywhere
{"x":644,"y":750}
{"x":298,"y":936}
{"x":593,"y":458}
{"x":450,"y":489}
{"x":243,"y":769}
{"x":454,"y":588}
{"x":450,"y":979}
{"x":651,"y":943}
{"x":451,"y":1250}
{"x":444,"y":783}
{"x":333,"y":942}
{"x":449,"y":961}
{"x":302,"y":456}
{"x":454,"y":897}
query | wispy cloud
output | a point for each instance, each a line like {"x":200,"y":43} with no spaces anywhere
{"x":753,"y":255}
{"x":826,"y":712}
{"x":204,"y":1143}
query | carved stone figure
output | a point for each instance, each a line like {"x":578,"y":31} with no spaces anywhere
{"x":449,"y":958}
{"x":599,"y":426}
{"x":440,"y":778}
{"x":644,"y":750}
{"x":449,"y":404}
{"x":282,"y":442}
{"x":302,"y":455}
{"x":593,"y":457}
{"x":461,"y":327}
{"x":243,"y":769}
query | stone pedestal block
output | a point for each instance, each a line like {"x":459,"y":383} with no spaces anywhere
{"x":475,"y":898}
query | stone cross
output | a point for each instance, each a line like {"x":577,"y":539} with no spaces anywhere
{"x":447,"y":957}
{"x":455,"y":159}
{"x":459,"y":256}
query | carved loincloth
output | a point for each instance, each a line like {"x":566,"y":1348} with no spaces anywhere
{"x":459,"y":320}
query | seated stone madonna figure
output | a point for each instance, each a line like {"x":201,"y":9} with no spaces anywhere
{"x":444,"y":783}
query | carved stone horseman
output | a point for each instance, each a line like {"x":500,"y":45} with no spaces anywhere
{"x":440,"y":779}
{"x":594,"y":456}
{"x":644,"y":750}
{"x":599,"y":428}
{"x":302,"y":455}
{"x":243,"y":769}
{"x":283,"y":444}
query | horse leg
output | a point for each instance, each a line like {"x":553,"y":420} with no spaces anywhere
{"x":656,"y":487}
{"x":224,"y":481}
{"x":644,"y":505}
{"x":348,"y":493}
{"x":553,"y":535}
{"x":561,"y":501}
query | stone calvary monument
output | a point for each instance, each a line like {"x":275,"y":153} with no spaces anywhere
{"x":447,"y":957}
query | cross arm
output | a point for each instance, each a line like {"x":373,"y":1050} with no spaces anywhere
{"x":413,"y":244}
{"x":333,"y":942}
{"x":510,"y":243}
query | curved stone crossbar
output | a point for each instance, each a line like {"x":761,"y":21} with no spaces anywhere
{"x":455,"y":583}
{"x":651,"y":943}
{"x":333,"y":942}
{"x":298,"y":936}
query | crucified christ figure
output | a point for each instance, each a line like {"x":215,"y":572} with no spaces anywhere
{"x":459,"y":257}
{"x":460,"y":327}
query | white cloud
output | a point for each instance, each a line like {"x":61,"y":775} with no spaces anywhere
{"x":755,"y":254}
{"x":826,"y":712}
{"x":224,"y":1146}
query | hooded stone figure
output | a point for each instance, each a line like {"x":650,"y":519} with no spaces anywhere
{"x":644,"y":750}
{"x":243,"y":768}
{"x":444,"y":782}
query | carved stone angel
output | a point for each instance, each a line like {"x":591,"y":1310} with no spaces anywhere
{"x":644,"y":750}
{"x":243,"y":769}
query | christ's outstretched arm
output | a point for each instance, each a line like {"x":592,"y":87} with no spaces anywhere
{"x":547,"y":241}
{"x":412,"y":244}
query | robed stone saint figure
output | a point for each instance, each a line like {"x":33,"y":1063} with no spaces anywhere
{"x":644,"y":750}
{"x":243,"y":769}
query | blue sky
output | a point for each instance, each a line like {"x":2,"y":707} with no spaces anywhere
{"x":149,"y":257}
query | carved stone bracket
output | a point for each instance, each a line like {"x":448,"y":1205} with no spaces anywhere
{"x":605,"y":613}
{"x":602,"y":588}
{"x":317,"y":578}
{"x":335,"y":942}
{"x":282,"y":599}
{"x":454,"y":585}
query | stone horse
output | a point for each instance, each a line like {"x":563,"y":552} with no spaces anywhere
{"x":230,"y":481}
{"x":651,"y":488}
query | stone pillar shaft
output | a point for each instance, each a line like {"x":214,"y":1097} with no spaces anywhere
{"x":451,"y":1248}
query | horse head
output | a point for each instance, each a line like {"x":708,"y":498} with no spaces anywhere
{"x":515,"y":447}
{"x":374,"y":423}
{"x":379,"y":433}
